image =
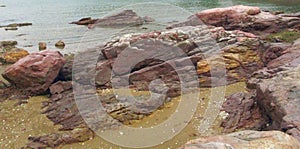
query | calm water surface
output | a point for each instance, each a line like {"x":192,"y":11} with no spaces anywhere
{"x":51,"y":18}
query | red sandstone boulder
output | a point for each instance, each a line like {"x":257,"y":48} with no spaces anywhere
{"x":245,"y":18}
{"x":35,"y":72}
{"x":232,"y":14}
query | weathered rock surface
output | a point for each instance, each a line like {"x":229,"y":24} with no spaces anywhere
{"x":123,"y":18}
{"x":56,"y":139}
{"x":60,"y":44}
{"x":13,"y":55}
{"x":243,"y":113}
{"x":9,"y":53}
{"x":245,"y":18}
{"x":35,"y":72}
{"x":245,"y":139}
{"x":42,"y":46}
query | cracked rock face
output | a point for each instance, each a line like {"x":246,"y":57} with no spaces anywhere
{"x":35,"y":72}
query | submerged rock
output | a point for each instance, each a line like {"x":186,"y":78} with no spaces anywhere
{"x":35,"y":72}
{"x":17,"y":25}
{"x":11,"y":28}
{"x":245,"y":139}
{"x":55,"y":139}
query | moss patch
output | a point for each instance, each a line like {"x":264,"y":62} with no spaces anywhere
{"x":284,"y":36}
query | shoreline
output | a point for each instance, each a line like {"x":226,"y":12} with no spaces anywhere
{"x":256,"y":52}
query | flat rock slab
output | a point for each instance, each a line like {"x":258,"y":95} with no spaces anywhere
{"x":245,"y":139}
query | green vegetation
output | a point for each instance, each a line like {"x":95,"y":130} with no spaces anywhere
{"x":285,"y":36}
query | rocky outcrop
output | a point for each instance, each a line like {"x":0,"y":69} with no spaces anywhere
{"x":243,"y":113}
{"x":9,"y":53}
{"x":35,"y":72}
{"x":14,"y":55}
{"x":274,"y":92}
{"x":245,"y":18}
{"x":245,"y":139}
{"x":123,"y":18}
{"x":55,"y":139}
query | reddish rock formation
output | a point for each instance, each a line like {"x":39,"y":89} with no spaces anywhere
{"x":35,"y":72}
{"x":243,"y":113}
{"x":245,"y":139}
{"x":245,"y":18}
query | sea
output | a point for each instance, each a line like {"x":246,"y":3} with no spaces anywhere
{"x":51,"y":18}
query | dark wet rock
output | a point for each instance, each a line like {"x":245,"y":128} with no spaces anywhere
{"x":2,"y":6}
{"x":65,"y":73}
{"x":243,"y":113}
{"x":245,"y":139}
{"x":35,"y":72}
{"x":42,"y":46}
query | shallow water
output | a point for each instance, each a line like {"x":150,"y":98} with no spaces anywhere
{"x":17,"y":123}
{"x":20,"y":122}
{"x":50,"y":18}
{"x":191,"y":131}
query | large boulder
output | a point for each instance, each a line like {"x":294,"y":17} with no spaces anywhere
{"x":245,"y":139}
{"x":35,"y":72}
{"x":277,"y":91}
{"x":246,"y":18}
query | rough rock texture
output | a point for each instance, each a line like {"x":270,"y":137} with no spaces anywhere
{"x":56,"y":139}
{"x":42,"y":46}
{"x":279,"y":98}
{"x":245,"y":18}
{"x":17,"y":25}
{"x":245,"y":139}
{"x":60,"y":44}
{"x":123,"y":18}
{"x":243,"y":113}
{"x":277,"y":92}
{"x":13,"y":55}
{"x":35,"y":72}
{"x":9,"y":53}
